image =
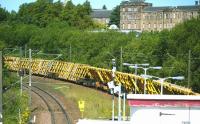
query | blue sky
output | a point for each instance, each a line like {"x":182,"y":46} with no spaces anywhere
{"x":97,"y":4}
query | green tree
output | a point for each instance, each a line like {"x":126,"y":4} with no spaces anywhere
{"x":68,"y":13}
{"x":40,"y":13}
{"x":3,"y":14}
{"x":104,"y":7}
{"x":115,"y":16}
{"x":87,"y":7}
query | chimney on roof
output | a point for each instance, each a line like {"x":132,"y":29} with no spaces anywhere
{"x":196,"y":3}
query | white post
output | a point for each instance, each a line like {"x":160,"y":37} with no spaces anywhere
{"x":21,"y":85}
{"x":20,"y":119}
{"x":124,"y":107}
{"x":145,"y":80}
{"x":136,"y":78}
{"x":113,"y":102}
{"x":113,"y":105}
{"x":161,"y":90}
{"x":119,"y":103}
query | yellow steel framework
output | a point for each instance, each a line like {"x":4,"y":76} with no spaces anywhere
{"x":73,"y":72}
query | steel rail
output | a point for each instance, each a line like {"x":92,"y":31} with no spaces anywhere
{"x":47,"y":104}
{"x":58,"y":102}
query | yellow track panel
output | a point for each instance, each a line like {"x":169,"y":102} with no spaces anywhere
{"x":65,"y":70}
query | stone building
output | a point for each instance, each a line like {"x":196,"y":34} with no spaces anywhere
{"x":101,"y":16}
{"x":139,"y":15}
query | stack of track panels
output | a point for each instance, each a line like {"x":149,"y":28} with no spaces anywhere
{"x":74,"y":72}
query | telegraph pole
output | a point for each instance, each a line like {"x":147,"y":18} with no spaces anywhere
{"x":121,"y":59}
{"x":30,"y":72}
{"x":20,"y":71}
{"x":189,"y":68}
{"x":120,"y":86}
{"x":70,"y":53}
{"x":1,"y":93}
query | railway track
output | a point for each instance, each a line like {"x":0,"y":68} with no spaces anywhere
{"x":53,"y":104}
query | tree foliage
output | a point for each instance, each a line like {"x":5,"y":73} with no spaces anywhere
{"x":115,"y":16}
{"x":104,"y":7}
{"x":3,"y":14}
{"x":43,"y":12}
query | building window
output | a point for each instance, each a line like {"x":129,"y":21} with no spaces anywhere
{"x":169,"y":16}
{"x":129,"y":17}
{"x":174,"y":15}
{"x":160,"y":25}
{"x":129,"y":26}
{"x":143,"y":16}
{"x":135,"y":9}
{"x":147,"y":17}
{"x":165,"y":16}
{"x":123,"y":26}
{"x":161,"y":16}
{"x":154,"y":25}
{"x":170,"y":20}
{"x":123,"y":9}
{"x":135,"y":26}
{"x":129,"y":9}
{"x":123,"y":17}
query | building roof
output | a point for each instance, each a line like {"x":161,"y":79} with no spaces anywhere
{"x":137,"y":1}
{"x":141,"y":100}
{"x":192,"y":7}
{"x":101,"y":13}
{"x":147,"y":9}
{"x":187,"y":8}
{"x":151,"y":9}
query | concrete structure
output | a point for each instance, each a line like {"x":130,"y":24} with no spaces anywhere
{"x":142,"y":16}
{"x":101,"y":16}
{"x":164,"y":109}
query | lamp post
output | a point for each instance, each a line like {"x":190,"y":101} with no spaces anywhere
{"x":135,"y":66}
{"x":145,"y":74}
{"x":21,"y":72}
{"x":112,"y":88}
{"x":163,"y":79}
